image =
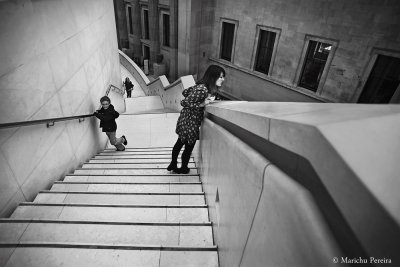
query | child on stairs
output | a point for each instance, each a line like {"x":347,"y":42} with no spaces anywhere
{"x":107,"y":115}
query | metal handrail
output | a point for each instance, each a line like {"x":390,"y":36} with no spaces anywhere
{"x":48,"y":122}
{"x":51,"y":121}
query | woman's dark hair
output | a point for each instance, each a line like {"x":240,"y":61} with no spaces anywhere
{"x":105,"y":98}
{"x":211,"y":76}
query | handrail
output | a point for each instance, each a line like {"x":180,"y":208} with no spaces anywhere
{"x":51,"y":121}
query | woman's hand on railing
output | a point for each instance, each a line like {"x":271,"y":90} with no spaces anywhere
{"x":209,"y":100}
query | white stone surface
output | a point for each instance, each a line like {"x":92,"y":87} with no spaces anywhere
{"x":189,"y":258}
{"x":155,"y":165}
{"x":200,"y":236}
{"x":37,"y":212}
{"x":143,"y":104}
{"x":72,"y":257}
{"x":11,"y":232}
{"x":187,"y":215}
{"x":123,"y":199}
{"x":114,"y":214}
{"x":129,"y":171}
{"x":103,"y":234}
{"x":133,"y":179}
{"x":294,"y":231}
{"x":239,"y":180}
{"x":133,"y":161}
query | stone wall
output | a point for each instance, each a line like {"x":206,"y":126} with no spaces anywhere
{"x":338,"y":160}
{"x":58,"y":58}
{"x":357,"y":26}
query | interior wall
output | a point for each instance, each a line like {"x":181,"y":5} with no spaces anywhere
{"x":58,"y":58}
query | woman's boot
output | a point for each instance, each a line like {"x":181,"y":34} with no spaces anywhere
{"x":174,"y":157}
{"x":185,"y":159}
{"x":172,"y":166}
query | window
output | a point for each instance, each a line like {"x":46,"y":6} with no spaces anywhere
{"x":130,"y":20}
{"x":165,"y":29}
{"x":145,"y":25}
{"x":146,"y":52}
{"x":314,"y":64}
{"x":265,"y":48}
{"x":383,"y":81}
{"x":227,"y":40}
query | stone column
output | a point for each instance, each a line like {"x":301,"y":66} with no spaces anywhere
{"x":173,"y":39}
{"x":154,"y":30}
{"x":189,"y":13}
{"x":119,"y":22}
{"x":134,"y":39}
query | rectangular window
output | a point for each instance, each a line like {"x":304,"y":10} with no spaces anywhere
{"x":383,"y":81}
{"x":146,"y":24}
{"x":227,"y":37}
{"x":130,"y":20}
{"x":266,"y":42}
{"x":165,"y":29}
{"x":314,"y":64}
{"x":146,"y":52}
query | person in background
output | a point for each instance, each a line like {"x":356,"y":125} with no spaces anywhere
{"x":107,"y":115}
{"x":191,"y":116}
{"x":128,"y":87}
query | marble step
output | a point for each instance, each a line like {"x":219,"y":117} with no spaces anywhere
{"x":90,"y":256}
{"x":164,"y":234}
{"x":150,"y":165}
{"x":131,"y":188}
{"x":132,"y":152}
{"x":133,"y":160}
{"x":131,"y":171}
{"x":134,"y":156}
{"x":111,"y":213}
{"x":132,"y":179}
{"x":138,"y":149}
{"x":121,"y":198}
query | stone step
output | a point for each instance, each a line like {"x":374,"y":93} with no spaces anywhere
{"x":91,"y":256}
{"x":132,"y":171}
{"x":132,"y":179}
{"x":133,"y":161}
{"x":135,"y":156}
{"x":164,"y":234}
{"x":138,"y":149}
{"x":121,"y":198}
{"x":131,"y":188}
{"x":111,"y":213}
{"x":131,"y":152}
{"x":155,"y":165}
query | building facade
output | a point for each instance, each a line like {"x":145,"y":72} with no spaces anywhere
{"x":322,"y":51}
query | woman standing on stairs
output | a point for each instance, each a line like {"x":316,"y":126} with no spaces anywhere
{"x":107,"y":115}
{"x":189,"y":121}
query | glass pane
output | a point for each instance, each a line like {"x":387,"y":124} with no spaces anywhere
{"x":166,"y":29}
{"x":130,"y":20}
{"x":146,"y":52}
{"x":264,"y":51}
{"x":146,"y":24}
{"x":228,"y":30}
{"x":317,"y":54}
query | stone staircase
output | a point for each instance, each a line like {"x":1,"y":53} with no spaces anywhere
{"x":119,"y":209}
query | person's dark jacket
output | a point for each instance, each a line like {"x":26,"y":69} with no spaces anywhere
{"x":107,"y":118}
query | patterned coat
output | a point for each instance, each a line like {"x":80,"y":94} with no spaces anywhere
{"x":192,"y":114}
